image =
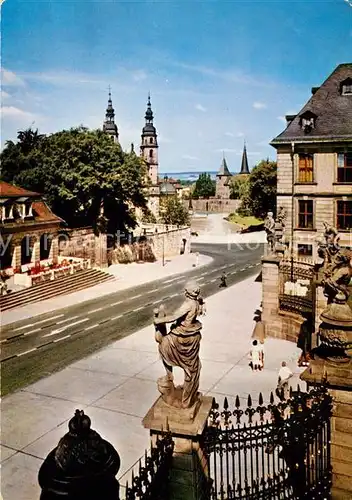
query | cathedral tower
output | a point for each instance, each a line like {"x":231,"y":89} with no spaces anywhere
{"x":109,"y":125}
{"x":149,"y":145}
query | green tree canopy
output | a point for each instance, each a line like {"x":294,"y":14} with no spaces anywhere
{"x":173,"y":212}
{"x":204,"y":187}
{"x":239,"y":186}
{"x":261,"y":195}
{"x":79,"y":171}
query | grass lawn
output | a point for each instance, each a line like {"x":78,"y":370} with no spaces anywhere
{"x":249,"y":220}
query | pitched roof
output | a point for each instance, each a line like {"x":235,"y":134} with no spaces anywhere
{"x":332,"y":109}
{"x":224,"y":169}
{"x":9,"y":190}
{"x":244,"y":164}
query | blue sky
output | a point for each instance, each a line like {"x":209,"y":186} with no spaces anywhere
{"x":219,"y":71}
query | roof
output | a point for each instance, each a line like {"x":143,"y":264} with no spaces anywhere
{"x":10,"y":191}
{"x":224,"y":169}
{"x":332,"y":109}
{"x":167,"y":188}
{"x":43,"y":213}
{"x":244,"y":164}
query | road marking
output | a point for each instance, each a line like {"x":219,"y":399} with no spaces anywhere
{"x":38,"y":322}
{"x":150,"y":291}
{"x":116,"y":303}
{"x":243,"y":269}
{"x":23,"y":327}
{"x":158,"y":301}
{"x":136,"y":296}
{"x":31,"y":331}
{"x":201,"y":279}
{"x":138,"y":309}
{"x":212,"y":281}
{"x":62,"y":338}
{"x":26,"y":352}
{"x":173,"y":295}
{"x":170,"y":281}
{"x":67,"y":319}
{"x":59,"y":330}
{"x":95,"y":310}
{"x":91,"y":327}
{"x":116,"y":317}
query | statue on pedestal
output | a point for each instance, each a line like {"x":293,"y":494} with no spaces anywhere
{"x":180,"y":347}
{"x":269,"y":226}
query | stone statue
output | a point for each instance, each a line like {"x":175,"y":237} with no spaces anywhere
{"x":330,"y":247}
{"x":269,"y":226}
{"x":180,"y":347}
{"x":282,"y":216}
{"x":337,"y":277}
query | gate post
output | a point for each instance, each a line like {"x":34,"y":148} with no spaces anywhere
{"x":189,"y":478}
{"x":83,"y":466}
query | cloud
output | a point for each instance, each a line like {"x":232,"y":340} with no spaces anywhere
{"x":189,"y":157}
{"x":240,"y":134}
{"x":139,"y":75}
{"x":229,"y":134}
{"x":227,"y":150}
{"x":16,"y":113}
{"x":281,"y":118}
{"x":199,"y":107}
{"x":259,"y":105}
{"x":264,"y":143}
{"x":4,"y":95}
{"x":9,"y":78}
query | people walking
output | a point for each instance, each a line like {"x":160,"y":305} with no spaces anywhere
{"x":223,"y":283}
{"x":256,"y":356}
{"x":283,"y":378}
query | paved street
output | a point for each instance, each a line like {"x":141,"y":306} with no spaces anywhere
{"x":117,"y":385}
{"x":36,"y":347}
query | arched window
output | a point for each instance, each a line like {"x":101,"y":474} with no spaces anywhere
{"x":150,"y":153}
{"x":151,"y":140}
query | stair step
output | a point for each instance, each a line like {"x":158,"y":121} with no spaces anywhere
{"x":61,"y":286}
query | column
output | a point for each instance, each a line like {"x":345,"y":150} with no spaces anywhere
{"x":36,"y":251}
{"x":270,"y":296}
{"x":16,"y":257}
{"x":54,"y":250}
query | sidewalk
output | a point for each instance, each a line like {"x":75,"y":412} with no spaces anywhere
{"x":117,"y":385}
{"x":127,"y":276}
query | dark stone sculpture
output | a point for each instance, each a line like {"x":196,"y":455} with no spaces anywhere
{"x":180,"y":347}
{"x":82,"y":467}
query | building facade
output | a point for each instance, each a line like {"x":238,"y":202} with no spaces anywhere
{"x":224,"y":176}
{"x":314,"y":165}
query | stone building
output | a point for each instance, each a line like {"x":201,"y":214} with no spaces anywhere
{"x":314,"y":164}
{"x":29,"y":229}
{"x":224,"y":176}
{"x":109,"y":125}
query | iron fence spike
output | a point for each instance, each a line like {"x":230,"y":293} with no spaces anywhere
{"x":249,"y":400}
{"x":261,"y":399}
{"x":237,"y":403}
{"x":226,"y":403}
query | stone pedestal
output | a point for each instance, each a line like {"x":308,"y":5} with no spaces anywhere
{"x":270,"y":295}
{"x":188,"y":475}
{"x":338,"y":377}
{"x":320,"y":306}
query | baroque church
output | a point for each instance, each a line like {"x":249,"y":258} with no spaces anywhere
{"x":148,"y":150}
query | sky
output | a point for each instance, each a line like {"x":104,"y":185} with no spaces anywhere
{"x":219,"y":72}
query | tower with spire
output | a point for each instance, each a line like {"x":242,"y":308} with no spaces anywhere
{"x":244,"y":164}
{"x":149,"y":152}
{"x":109,"y":125}
{"x":149,"y":144}
{"x":223,"y":178}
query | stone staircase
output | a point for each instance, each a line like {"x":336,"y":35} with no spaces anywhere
{"x":49,"y":289}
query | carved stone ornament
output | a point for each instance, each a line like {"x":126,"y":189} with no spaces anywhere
{"x":81,"y":464}
{"x":180,"y":347}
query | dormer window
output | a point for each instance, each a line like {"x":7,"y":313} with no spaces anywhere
{"x":307,"y":121}
{"x":346,"y":87}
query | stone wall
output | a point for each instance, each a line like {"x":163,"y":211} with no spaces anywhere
{"x":79,"y":242}
{"x":213,"y":205}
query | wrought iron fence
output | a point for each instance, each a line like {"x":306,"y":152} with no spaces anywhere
{"x":296,"y":292}
{"x":270,"y":451}
{"x":151,"y":481}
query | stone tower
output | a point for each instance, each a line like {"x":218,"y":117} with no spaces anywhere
{"x":149,"y":145}
{"x":223,"y":178}
{"x":109,"y":125}
{"x":244,"y":164}
{"x":149,"y":151}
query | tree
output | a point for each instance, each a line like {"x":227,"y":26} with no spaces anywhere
{"x":173,"y":212}
{"x":261,"y":196}
{"x":82,"y":174}
{"x":205,"y":187}
{"x":239,"y":186}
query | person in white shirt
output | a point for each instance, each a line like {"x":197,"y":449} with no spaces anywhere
{"x":256,"y":356}
{"x":283,"y":377}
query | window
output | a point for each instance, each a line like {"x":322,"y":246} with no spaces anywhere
{"x":150,"y":153}
{"x":305,"y":168}
{"x":344,"y":167}
{"x":305,"y":250}
{"x":307,"y":121}
{"x":344,"y":215}
{"x":346,"y":87}
{"x":151,"y":140}
{"x":305,"y":214}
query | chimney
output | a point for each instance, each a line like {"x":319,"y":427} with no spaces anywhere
{"x":290,"y":118}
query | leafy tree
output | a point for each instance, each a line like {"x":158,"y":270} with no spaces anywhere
{"x":239,"y":186}
{"x":261,"y":195}
{"x":173,"y":212}
{"x":204,"y":187}
{"x":80,"y":172}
